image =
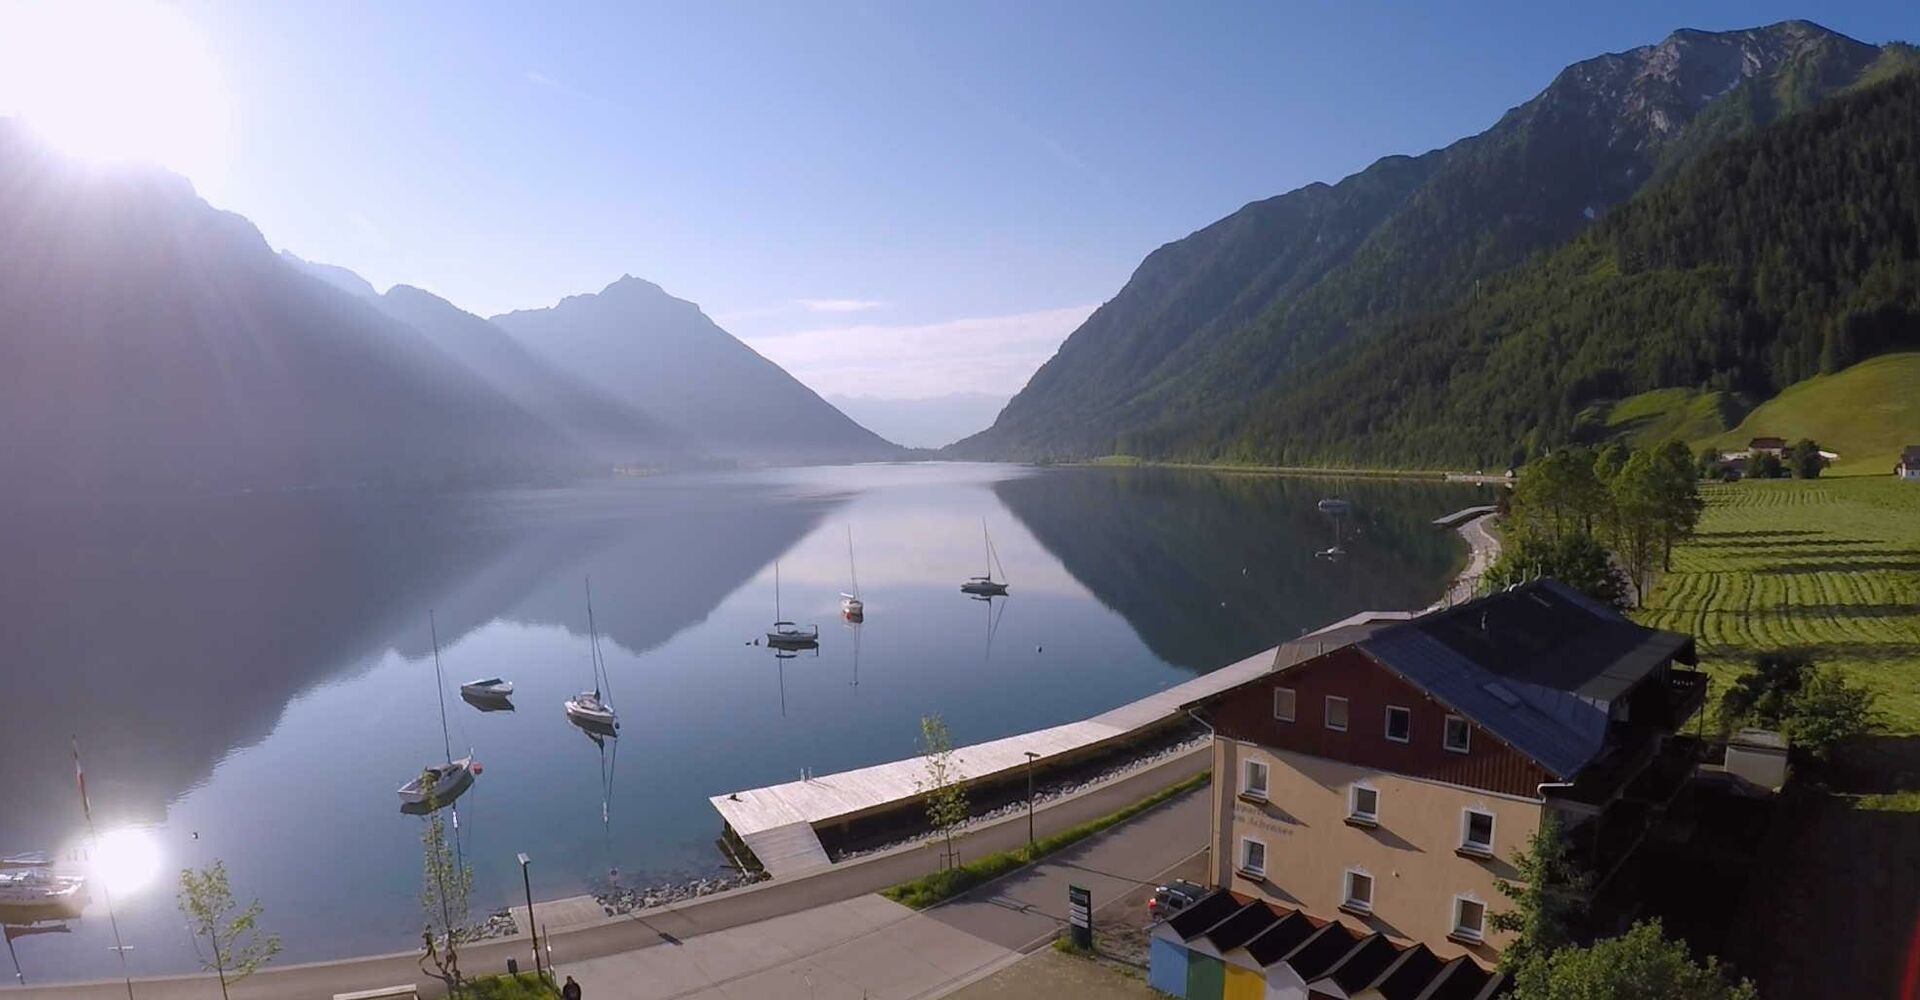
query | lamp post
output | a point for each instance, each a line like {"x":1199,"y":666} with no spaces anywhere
{"x":526,"y":882}
{"x":1030,"y":759}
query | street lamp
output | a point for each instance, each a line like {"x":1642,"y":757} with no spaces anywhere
{"x":1030,"y":759}
{"x":532,"y":928}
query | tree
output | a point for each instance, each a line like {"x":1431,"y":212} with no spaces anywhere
{"x":1578,"y":561}
{"x":1827,"y":712}
{"x":1640,"y":511}
{"x":1805,"y":460}
{"x":1638,"y":965}
{"x":1763,"y":465}
{"x":946,"y":794}
{"x":1680,"y":503}
{"x":1558,"y":495}
{"x":1548,"y":896}
{"x":443,"y":896}
{"x":1761,"y":697}
{"x":236,"y":947}
{"x":1708,"y":464}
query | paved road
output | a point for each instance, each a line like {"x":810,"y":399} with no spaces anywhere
{"x":869,"y":947}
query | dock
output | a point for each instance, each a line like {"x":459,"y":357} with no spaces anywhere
{"x":1463,"y":515}
{"x":781,"y":823}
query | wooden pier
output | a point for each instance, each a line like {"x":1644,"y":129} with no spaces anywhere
{"x":779,"y":823}
{"x":1462,"y":516}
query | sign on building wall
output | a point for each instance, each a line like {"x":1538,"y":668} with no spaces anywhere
{"x":1080,"y":917}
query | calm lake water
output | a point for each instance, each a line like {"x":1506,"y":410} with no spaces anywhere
{"x":251,"y":679}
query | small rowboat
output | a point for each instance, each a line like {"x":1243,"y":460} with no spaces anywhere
{"x":491,"y":687}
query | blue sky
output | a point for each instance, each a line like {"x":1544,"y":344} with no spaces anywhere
{"x":894,"y":199}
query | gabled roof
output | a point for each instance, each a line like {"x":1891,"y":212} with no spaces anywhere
{"x":1910,"y":455}
{"x":1197,"y":919}
{"x":1463,"y":979}
{"x":1242,"y":927}
{"x":1406,"y":976}
{"x":1359,"y":965}
{"x":1272,"y":944}
{"x":1314,"y":956}
{"x":1536,"y":665}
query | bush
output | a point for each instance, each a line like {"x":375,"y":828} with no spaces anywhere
{"x":1638,"y":965}
{"x":525,"y":986}
{"x":1805,"y":459}
{"x":1764,"y":465}
{"x":1818,"y":709}
{"x":1577,"y":560}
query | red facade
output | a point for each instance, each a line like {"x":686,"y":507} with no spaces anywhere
{"x":1246,"y":713}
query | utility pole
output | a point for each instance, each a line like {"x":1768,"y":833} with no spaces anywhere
{"x":532,"y":928}
{"x":1030,"y":759}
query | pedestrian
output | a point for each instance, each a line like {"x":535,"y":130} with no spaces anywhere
{"x":571,"y":991}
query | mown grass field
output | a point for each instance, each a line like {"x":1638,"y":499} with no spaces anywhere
{"x":1867,"y":413}
{"x":1830,"y":566}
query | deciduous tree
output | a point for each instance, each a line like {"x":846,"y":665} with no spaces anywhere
{"x":942,"y":785}
{"x":236,"y":947}
{"x":1638,"y":965}
{"x":1548,"y":895}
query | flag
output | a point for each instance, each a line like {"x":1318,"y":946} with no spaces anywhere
{"x":80,"y":778}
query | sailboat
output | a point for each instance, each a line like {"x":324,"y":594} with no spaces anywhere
{"x":852,"y":608}
{"x":592,"y":710}
{"x":452,"y":777}
{"x":785,"y":634}
{"x":987,"y":586}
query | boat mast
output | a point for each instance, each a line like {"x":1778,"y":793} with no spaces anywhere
{"x":988,"y":539}
{"x":593,"y":643}
{"x":440,"y":685}
{"x":852,"y":568}
{"x":776,"y":592}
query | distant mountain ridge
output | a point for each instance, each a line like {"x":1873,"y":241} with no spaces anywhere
{"x":635,"y":342}
{"x":930,"y":422}
{"x":1209,"y":321}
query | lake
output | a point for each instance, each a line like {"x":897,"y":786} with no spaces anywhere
{"x":251,"y":677}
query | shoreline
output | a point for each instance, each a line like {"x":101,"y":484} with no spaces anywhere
{"x":1483,"y":547}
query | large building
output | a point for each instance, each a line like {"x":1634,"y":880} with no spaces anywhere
{"x":1384,"y":774}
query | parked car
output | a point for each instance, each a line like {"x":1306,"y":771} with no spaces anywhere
{"x":1171,"y":898}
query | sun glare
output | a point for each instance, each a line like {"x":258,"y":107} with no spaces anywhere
{"x":126,"y":860}
{"x":113,"y":80}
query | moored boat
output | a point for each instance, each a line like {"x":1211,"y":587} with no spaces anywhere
{"x":449,"y":780}
{"x":491,"y":687}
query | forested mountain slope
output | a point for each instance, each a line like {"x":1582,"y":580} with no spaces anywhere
{"x":1773,"y":258}
{"x":1208,"y":322}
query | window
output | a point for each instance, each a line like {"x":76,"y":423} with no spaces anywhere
{"x":1469,"y":918}
{"x":1283,"y":700}
{"x":1399,"y":723}
{"x":1254,"y":783}
{"x":1337,"y":713}
{"x":1459,"y":734}
{"x":1476,"y":832}
{"x":1253,"y":857}
{"x":1359,"y":892}
{"x":1363,"y":804}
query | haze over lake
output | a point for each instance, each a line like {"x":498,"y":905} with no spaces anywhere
{"x":257,"y":670}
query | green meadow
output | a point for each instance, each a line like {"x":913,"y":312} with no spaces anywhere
{"x":1830,"y":566}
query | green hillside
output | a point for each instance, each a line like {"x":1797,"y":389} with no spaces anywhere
{"x":1775,"y":258}
{"x":1660,"y":415}
{"x":1866,"y":413}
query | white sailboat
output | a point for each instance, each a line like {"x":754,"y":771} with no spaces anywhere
{"x":852,"y":608}
{"x":450,"y":778}
{"x":593,"y":710}
{"x":987,"y":586}
{"x":785,"y":634}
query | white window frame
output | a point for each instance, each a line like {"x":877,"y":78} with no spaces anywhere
{"x":1466,"y":827}
{"x":1446,"y":730}
{"x":1327,"y":713}
{"x":1460,"y":930}
{"x":1353,"y":802}
{"x":1293,"y":708}
{"x":1246,"y":779}
{"x":1241,"y":865}
{"x":1387,"y":723}
{"x":1346,"y":890}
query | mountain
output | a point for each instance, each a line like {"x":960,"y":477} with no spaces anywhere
{"x":604,"y":428}
{"x":640,"y":344}
{"x":923,"y":423}
{"x":333,"y":274}
{"x":1772,"y":259}
{"x":1209,"y":321}
{"x":155,"y":343}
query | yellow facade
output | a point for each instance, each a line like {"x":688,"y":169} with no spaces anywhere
{"x":1409,"y":853}
{"x":1244,"y":984}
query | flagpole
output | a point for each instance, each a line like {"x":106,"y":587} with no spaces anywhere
{"x":80,"y":777}
{"x":17,"y":974}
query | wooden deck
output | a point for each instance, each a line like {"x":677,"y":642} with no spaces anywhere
{"x":778,"y":821}
{"x":1462,"y":516}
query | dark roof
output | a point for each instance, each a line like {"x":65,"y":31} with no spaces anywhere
{"x":1767,"y":442}
{"x":1240,"y":928}
{"x":1195,"y":920}
{"x":1537,"y":665}
{"x":1406,"y":976}
{"x":1910,"y":455}
{"x":1358,"y":966}
{"x":1462,"y":979}
{"x":1314,"y":956}
{"x":1273,"y":943}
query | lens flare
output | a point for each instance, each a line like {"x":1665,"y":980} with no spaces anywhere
{"x":126,"y":860}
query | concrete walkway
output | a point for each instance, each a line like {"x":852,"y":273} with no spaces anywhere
{"x":869,"y":947}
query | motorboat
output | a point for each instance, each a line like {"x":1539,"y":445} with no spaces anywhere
{"x":29,"y":859}
{"x":491,"y":687}
{"x":39,"y":887}
{"x":987,"y":586}
{"x":1335,"y":505}
{"x":449,"y":780}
